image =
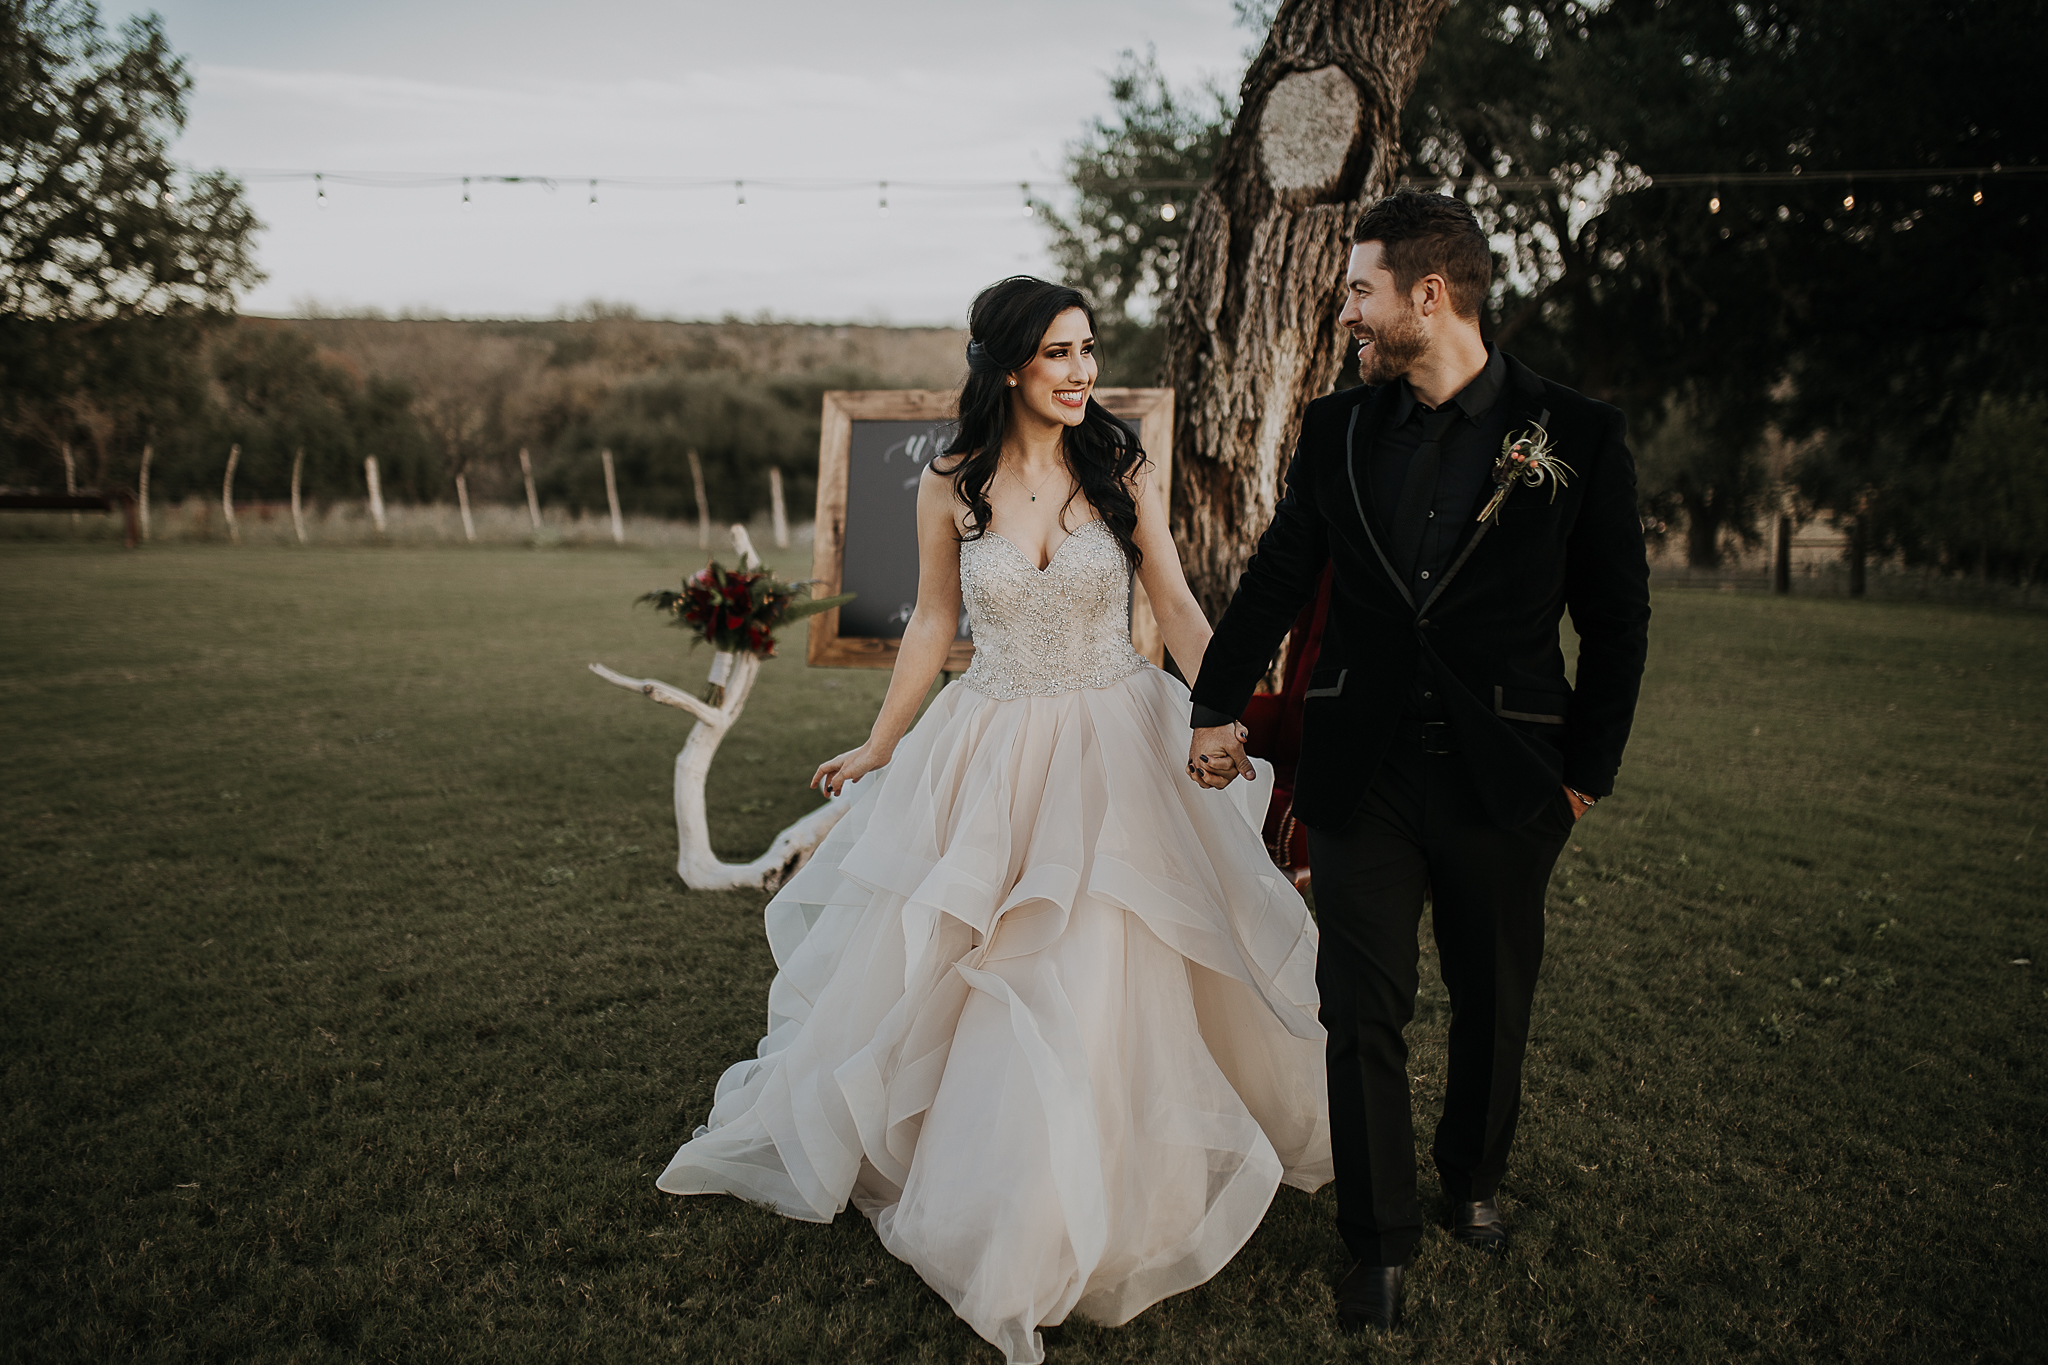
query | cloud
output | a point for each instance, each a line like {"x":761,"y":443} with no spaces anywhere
{"x":915,"y":92}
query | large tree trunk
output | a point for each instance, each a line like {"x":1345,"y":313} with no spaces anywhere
{"x":1702,"y":532}
{"x":1252,"y":331}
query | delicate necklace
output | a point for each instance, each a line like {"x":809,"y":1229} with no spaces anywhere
{"x":1041,"y":483}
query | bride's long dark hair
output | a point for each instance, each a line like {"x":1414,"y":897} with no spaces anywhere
{"x":1006,"y":323}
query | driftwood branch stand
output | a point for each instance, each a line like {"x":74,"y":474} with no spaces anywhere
{"x":699,"y":868}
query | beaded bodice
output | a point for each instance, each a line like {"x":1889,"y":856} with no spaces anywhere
{"x":1039,"y":632}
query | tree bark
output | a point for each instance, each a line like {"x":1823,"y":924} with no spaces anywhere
{"x":1252,"y":328}
{"x":1702,"y":534}
{"x":1781,"y":562}
{"x":1859,"y":557}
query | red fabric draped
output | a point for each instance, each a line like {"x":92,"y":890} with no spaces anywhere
{"x":1274,"y":719}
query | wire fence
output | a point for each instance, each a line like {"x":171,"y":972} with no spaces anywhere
{"x":198,"y":520}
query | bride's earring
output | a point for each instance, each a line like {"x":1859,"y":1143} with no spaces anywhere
{"x":1012,"y":383}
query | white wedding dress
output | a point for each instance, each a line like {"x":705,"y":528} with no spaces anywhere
{"x":1046,"y":1012}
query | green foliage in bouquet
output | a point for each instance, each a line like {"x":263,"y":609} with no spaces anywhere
{"x":739,"y":609}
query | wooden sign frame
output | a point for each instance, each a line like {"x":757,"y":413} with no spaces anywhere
{"x":1150,"y":409}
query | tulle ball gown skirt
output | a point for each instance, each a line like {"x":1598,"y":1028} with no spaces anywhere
{"x":1045,"y":1013}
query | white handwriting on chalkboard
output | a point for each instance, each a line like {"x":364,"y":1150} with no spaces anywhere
{"x":920,"y":450}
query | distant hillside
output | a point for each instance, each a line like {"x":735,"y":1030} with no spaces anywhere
{"x":433,"y":399}
{"x":897,"y":357}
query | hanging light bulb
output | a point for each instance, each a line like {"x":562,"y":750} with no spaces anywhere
{"x":739,"y":188}
{"x":593,"y":194}
{"x":465,"y":191}
{"x":1024,"y":188}
{"x":319,"y":190}
{"x":884,"y":198}
{"x":1849,"y":199}
{"x":1714,"y":204}
{"x":1168,"y":212}
{"x":1978,"y":197}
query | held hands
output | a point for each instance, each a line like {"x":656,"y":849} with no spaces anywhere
{"x":834,"y":773}
{"x":1216,"y":756}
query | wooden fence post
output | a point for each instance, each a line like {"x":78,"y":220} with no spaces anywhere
{"x":462,"y":500}
{"x":376,"y":491}
{"x":611,"y":492}
{"x":778,"y":513}
{"x":142,"y":490}
{"x":532,"y":498}
{"x":227,"y":494}
{"x":298,"y":515}
{"x":703,"y":508}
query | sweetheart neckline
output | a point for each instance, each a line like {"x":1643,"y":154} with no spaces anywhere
{"x":1051,"y":559}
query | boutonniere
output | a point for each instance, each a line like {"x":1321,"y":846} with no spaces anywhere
{"x":1528,"y":459}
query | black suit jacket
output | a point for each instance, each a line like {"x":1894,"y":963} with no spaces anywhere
{"x":1487,"y":633}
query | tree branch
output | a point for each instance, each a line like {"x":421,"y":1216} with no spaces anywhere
{"x":655,"y":690}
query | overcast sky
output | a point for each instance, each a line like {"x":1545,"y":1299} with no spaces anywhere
{"x":916,"y":90}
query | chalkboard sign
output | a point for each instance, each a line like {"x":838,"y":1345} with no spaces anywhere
{"x":871,"y":452}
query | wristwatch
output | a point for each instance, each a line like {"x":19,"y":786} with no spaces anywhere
{"x":1588,"y":801}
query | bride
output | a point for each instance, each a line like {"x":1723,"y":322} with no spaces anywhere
{"x":1045,"y":1012}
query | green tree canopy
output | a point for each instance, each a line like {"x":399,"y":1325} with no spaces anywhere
{"x":1878,"y":313}
{"x":113,"y":262}
{"x":1134,"y":174}
{"x":95,"y":219}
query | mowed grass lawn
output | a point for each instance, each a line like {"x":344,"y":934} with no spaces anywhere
{"x":352,"y":1003}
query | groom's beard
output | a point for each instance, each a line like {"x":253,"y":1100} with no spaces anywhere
{"x":1394,"y":350}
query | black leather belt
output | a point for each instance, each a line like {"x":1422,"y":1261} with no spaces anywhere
{"x":1436,"y":736}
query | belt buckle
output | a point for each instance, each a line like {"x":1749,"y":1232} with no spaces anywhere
{"x":1437,"y":737}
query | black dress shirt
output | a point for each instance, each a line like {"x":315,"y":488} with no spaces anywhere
{"x":1465,"y":471}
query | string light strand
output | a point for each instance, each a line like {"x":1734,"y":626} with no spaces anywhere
{"x":1631,"y":181}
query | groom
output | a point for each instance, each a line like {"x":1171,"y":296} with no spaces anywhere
{"x":1445,"y":752}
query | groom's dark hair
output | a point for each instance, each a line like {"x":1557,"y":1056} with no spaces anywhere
{"x":1431,"y":234}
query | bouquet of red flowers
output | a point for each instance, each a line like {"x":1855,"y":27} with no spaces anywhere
{"x":740,"y":609}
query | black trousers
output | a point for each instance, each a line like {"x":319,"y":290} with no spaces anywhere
{"x":1423,"y":830}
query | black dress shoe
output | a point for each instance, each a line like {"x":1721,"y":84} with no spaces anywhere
{"x":1478,"y":1225}
{"x":1370,"y":1296}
